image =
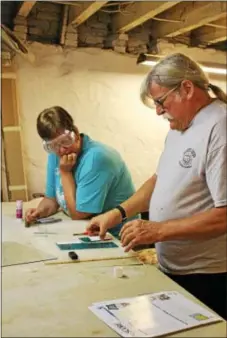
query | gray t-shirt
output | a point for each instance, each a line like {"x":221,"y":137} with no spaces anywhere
{"x":192,"y":179}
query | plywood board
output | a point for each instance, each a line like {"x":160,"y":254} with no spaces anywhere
{"x":9,"y":107}
{"x":14,"y":253}
{"x":8,"y":69}
{"x":13,"y":158}
{"x":14,"y":166}
{"x":4,"y":180}
{"x":18,"y":195}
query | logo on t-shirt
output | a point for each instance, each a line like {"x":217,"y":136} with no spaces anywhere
{"x":187,"y":159}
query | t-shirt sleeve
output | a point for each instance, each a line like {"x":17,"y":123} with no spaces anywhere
{"x":93,"y":184}
{"x":216,"y":175}
{"x":216,"y":167}
{"x":50,"y":176}
{"x":161,"y":156}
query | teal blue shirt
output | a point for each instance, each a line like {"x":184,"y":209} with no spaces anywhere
{"x":102,"y":179}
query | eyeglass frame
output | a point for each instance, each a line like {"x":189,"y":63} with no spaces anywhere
{"x":161,"y":100}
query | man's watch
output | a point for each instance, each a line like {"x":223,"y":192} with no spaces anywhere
{"x":123,"y":213}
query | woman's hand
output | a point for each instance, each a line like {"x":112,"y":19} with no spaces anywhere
{"x":32,"y":215}
{"x":67,"y":162}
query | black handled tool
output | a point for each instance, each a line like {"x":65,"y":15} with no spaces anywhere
{"x":73,"y":255}
{"x":47,"y":220}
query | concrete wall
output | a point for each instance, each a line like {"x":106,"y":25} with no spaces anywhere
{"x":101,"y":90}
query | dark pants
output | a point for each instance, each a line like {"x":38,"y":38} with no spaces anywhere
{"x":211,"y":289}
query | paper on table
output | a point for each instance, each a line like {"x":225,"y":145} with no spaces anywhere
{"x":77,"y":240}
{"x":152,"y":315}
{"x":97,"y":238}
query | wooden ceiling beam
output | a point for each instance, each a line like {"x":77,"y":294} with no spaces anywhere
{"x":26,"y":8}
{"x":222,"y":23}
{"x":138,"y":13}
{"x":85,"y":11}
{"x":71,"y":3}
{"x":208,"y":35}
{"x":215,"y":25}
{"x":192,"y":15}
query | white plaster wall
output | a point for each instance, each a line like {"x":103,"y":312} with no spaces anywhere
{"x":100,"y":89}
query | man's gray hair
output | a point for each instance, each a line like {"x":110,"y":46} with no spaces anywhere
{"x":172,"y":70}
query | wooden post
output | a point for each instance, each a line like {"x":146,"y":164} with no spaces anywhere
{"x":13,"y":154}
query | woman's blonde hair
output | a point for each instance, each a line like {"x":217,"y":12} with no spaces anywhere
{"x":172,"y":70}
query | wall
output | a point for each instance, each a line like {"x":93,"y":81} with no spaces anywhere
{"x":101,"y":91}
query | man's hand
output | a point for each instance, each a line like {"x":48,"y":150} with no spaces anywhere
{"x":99,"y":225}
{"x":67,"y":162}
{"x":140,"y":232}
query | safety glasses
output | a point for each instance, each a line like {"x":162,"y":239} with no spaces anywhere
{"x":64,"y":140}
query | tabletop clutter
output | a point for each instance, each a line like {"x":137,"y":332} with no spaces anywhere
{"x":85,"y":242}
{"x":150,"y":315}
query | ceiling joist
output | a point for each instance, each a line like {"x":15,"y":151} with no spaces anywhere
{"x":64,"y":24}
{"x":192,"y":15}
{"x":26,"y":8}
{"x":138,"y":13}
{"x":71,"y":3}
{"x":201,"y":23}
{"x":87,"y":9}
{"x":209,"y":35}
{"x":222,"y":23}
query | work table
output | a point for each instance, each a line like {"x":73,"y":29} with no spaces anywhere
{"x":41,"y":300}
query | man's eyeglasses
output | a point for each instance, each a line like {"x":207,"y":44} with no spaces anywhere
{"x":161,"y":100}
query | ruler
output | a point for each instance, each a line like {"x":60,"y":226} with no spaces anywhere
{"x":87,"y":245}
{"x":92,"y":260}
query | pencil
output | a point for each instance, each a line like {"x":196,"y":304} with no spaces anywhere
{"x":45,"y":233}
{"x":80,"y":233}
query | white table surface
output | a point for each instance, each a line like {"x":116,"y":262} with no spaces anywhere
{"x":40,"y":300}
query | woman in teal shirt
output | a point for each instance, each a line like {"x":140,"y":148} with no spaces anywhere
{"x":84,"y":177}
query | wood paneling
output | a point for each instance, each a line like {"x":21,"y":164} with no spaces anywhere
{"x":4,"y":180}
{"x":9,"y":107}
{"x":13,"y":156}
{"x":13,"y":168}
{"x":18,"y":195}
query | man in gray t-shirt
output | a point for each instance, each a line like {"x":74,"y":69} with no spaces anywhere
{"x":187,"y":196}
{"x":191,"y":179}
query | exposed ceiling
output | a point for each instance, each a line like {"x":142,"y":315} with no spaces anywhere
{"x":195,"y":23}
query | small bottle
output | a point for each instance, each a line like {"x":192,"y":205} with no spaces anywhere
{"x":19,"y":209}
{"x":118,"y":272}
